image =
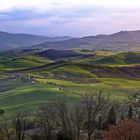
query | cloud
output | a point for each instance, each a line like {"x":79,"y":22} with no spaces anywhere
{"x":47,"y":5}
{"x":69,"y":17}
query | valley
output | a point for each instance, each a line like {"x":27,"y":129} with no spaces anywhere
{"x":30,"y":78}
{"x":69,"y":70}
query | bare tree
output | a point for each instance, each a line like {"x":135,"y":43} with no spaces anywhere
{"x":64,"y":119}
{"x":21,"y":124}
{"x":134,"y":101}
{"x":93,"y":107}
{"x":77,"y":119}
{"x":6,"y":133}
{"x":127,"y":129}
{"x":46,"y":120}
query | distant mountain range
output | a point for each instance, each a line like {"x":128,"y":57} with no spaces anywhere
{"x":10,"y":41}
{"x":121,"y":41}
{"x":124,"y":41}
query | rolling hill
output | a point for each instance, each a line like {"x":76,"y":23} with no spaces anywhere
{"x":30,"y":78}
{"x":61,"y":54}
{"x":125,"y":58}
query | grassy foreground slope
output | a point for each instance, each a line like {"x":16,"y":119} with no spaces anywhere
{"x":27,"y":97}
{"x":18,"y":96}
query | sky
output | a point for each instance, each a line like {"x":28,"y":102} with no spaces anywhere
{"x":69,"y":17}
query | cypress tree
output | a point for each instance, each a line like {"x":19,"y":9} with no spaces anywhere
{"x":2,"y":112}
{"x":18,"y":129}
{"x":122,"y":117}
{"x":112,"y":117}
{"x":99,"y":125}
{"x":130,"y":112}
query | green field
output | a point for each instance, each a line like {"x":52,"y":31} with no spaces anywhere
{"x":28,"y":81}
{"x":27,"y":97}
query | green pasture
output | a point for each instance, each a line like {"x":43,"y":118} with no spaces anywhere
{"x":69,"y":80}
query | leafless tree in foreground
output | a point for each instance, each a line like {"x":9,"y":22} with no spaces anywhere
{"x":6,"y":133}
{"x":63,"y":119}
{"x":127,"y":129}
{"x":85,"y":118}
{"x":134,"y":101}
{"x":21,"y":124}
{"x":77,"y":116}
{"x":46,"y":120}
{"x":93,"y":107}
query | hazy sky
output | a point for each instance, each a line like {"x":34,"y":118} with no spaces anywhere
{"x":69,"y":17}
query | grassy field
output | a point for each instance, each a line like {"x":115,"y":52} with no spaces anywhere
{"x":18,"y":96}
{"x":63,"y":79}
{"x":27,"y":97}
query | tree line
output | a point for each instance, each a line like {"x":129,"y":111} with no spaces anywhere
{"x":93,"y":117}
